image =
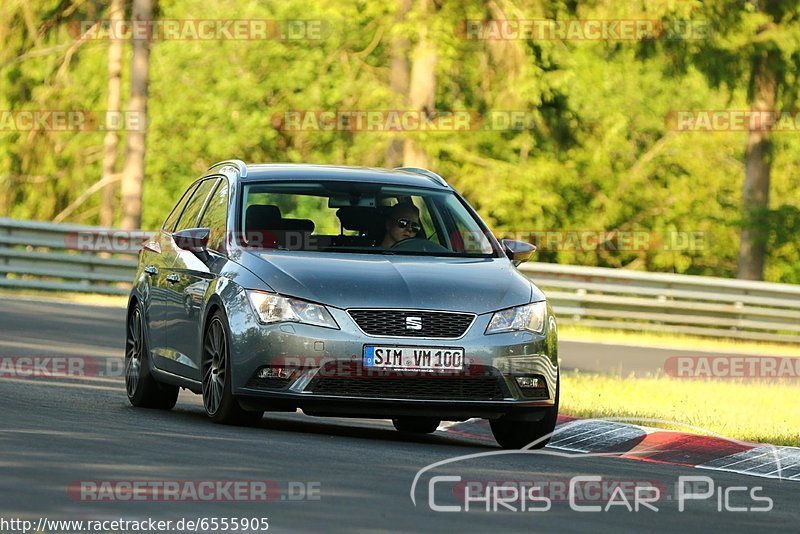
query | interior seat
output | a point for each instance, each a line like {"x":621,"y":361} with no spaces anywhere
{"x":368,"y":222}
{"x":294,"y":234}
{"x":261,"y":224}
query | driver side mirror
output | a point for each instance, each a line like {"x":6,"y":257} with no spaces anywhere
{"x":193,"y":239}
{"x":518,"y":251}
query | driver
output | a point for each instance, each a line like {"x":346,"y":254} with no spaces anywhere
{"x":402,"y":222}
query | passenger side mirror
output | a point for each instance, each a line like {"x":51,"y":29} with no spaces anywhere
{"x":193,"y":239}
{"x":518,"y":251}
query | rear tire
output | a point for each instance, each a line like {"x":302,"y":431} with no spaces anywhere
{"x":416,"y":425}
{"x":512,"y":434}
{"x":220,"y":404}
{"x":143,"y":390}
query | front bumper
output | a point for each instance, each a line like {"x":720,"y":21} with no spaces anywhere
{"x":314,"y":354}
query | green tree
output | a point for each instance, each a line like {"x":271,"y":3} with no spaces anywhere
{"x":593,"y":152}
{"x":755,"y":44}
{"x":133,"y":174}
{"x":116,"y":13}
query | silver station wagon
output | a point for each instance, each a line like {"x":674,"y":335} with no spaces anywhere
{"x":341,"y":291}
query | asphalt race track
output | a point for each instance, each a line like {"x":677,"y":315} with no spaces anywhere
{"x":58,"y":432}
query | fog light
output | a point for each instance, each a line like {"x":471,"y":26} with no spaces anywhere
{"x":527,"y":382}
{"x":275,"y":372}
{"x":533,"y":386}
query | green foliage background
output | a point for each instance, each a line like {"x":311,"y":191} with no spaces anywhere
{"x":598,"y":154}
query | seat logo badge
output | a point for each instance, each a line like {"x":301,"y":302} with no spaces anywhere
{"x":413,"y":323}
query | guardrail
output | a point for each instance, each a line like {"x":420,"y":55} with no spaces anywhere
{"x":699,"y":305}
{"x":66,"y":257}
{"x":47,"y":256}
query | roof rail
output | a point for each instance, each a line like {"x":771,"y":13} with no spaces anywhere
{"x":240,"y":165}
{"x":424,"y":172}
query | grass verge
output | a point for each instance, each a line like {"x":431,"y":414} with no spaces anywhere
{"x":672,"y":340}
{"x":88,"y":299}
{"x":758,"y":411}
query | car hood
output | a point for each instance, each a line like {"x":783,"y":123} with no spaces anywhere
{"x":394,"y":281}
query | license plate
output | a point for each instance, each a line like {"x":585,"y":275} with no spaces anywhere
{"x":419,"y":358}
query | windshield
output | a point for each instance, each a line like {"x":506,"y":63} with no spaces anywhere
{"x":353,"y":217}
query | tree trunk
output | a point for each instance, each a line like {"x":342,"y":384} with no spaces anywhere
{"x":133,"y":175}
{"x":111,"y":140}
{"x":399,"y":80}
{"x":755,"y":193}
{"x":422,"y":87}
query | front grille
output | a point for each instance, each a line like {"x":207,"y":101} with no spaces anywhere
{"x":393,"y":323}
{"x":435,"y":387}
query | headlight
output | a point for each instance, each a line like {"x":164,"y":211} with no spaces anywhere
{"x":272,"y":308}
{"x":529,"y":317}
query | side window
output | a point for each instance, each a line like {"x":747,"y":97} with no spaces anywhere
{"x":189,"y":217}
{"x":216,"y":216}
{"x":169,"y":224}
{"x":424,"y":216}
{"x":474,"y":241}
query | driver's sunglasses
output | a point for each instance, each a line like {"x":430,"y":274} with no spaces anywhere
{"x":411,"y":225}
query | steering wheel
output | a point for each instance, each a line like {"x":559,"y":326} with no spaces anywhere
{"x":418,"y":244}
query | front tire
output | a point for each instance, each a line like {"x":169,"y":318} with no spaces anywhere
{"x":512,"y":434}
{"x":143,"y":390}
{"x":416,"y":425}
{"x":220,"y":404}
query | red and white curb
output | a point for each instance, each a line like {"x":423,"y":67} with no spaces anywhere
{"x":649,"y":444}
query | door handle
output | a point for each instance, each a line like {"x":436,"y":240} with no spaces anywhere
{"x":151,"y":270}
{"x":173,"y":278}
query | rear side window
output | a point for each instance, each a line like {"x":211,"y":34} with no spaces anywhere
{"x":195,"y":205}
{"x":216,"y":216}
{"x":169,"y":224}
